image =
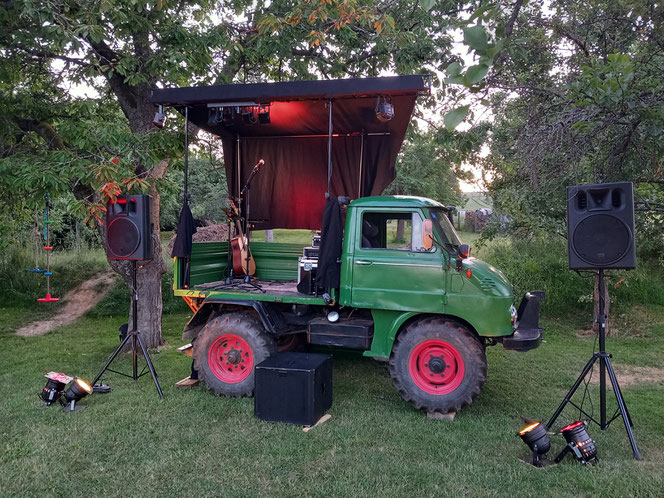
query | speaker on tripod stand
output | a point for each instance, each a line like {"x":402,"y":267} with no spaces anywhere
{"x":129,"y":237}
{"x":600,"y":236}
{"x":600,"y":226}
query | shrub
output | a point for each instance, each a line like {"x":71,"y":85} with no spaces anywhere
{"x":542,"y":264}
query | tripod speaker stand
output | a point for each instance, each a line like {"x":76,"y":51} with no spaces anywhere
{"x":136,"y":342}
{"x":604,"y":368}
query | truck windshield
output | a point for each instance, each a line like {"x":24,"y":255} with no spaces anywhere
{"x":445,"y":229}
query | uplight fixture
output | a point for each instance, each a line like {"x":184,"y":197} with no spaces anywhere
{"x":579,"y":443}
{"x":78,"y":390}
{"x":52,"y":391}
{"x":54,"y":388}
{"x":537,"y":439}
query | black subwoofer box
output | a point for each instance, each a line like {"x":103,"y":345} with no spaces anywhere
{"x":600,"y":226}
{"x":295,"y":388}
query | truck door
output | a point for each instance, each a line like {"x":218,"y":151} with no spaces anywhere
{"x":391,"y":269}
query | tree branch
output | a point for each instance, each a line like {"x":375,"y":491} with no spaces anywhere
{"x":44,"y":130}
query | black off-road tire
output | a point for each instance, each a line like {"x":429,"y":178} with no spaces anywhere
{"x":242,"y":337}
{"x":418,"y":381}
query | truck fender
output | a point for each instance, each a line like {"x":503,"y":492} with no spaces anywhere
{"x":388,"y":324}
{"x":270,"y":316}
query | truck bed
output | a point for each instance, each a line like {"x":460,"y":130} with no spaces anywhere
{"x":276,"y":272}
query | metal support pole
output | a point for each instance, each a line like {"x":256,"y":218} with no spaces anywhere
{"x":134,"y":318}
{"x":359,"y":181}
{"x":238,"y":173}
{"x":330,"y":105}
{"x":601,"y":322}
{"x":186,"y":155}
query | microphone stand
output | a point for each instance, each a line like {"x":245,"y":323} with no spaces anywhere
{"x":248,"y":279}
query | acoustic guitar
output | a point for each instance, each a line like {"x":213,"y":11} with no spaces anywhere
{"x":240,"y":245}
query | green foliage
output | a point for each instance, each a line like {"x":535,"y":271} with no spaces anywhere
{"x":455,"y":116}
{"x":541,"y":263}
{"x":430,"y":163}
{"x":579,"y":99}
{"x":70,"y":268}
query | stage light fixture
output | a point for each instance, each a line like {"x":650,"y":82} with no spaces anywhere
{"x":54,"y":387}
{"x":249,"y":115}
{"x":579,"y":443}
{"x":264,"y":114}
{"x":159,"y":117}
{"x":52,"y":391}
{"x":384,"y":109}
{"x":78,"y":390}
{"x":537,"y":439}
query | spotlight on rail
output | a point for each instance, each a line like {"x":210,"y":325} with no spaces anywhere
{"x":264,"y":114}
{"x":159,"y":117}
{"x":384,"y":109}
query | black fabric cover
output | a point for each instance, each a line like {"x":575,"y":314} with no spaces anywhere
{"x":289,"y":191}
{"x":329,"y":262}
{"x":185,"y":230}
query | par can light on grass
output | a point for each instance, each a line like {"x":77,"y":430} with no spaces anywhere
{"x":537,"y":439}
{"x":579,"y":443}
{"x":78,"y":390}
{"x":55,"y":385}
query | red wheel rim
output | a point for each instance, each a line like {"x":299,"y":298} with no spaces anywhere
{"x":230,"y":358}
{"x":436,"y":367}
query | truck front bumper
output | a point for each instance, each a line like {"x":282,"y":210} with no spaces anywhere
{"x":527,"y":332}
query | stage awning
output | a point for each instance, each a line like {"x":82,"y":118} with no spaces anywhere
{"x":289,"y":190}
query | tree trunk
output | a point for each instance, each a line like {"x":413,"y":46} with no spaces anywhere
{"x":139,"y":113}
{"x":400,"y":229}
{"x":607,"y":305}
{"x":148,"y":284}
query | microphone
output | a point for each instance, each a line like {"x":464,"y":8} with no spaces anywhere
{"x":251,"y":175}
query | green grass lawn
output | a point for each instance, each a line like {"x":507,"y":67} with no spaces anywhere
{"x":131,"y":443}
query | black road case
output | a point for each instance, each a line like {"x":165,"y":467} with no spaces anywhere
{"x":295,"y":388}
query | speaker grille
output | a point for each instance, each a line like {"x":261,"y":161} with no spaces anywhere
{"x":123,"y":237}
{"x":601,"y":239}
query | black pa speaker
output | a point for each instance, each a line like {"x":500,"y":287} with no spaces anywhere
{"x":129,"y":228}
{"x":600,"y":226}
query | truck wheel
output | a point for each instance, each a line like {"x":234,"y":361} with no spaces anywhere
{"x":227,"y":350}
{"x":438,"y":365}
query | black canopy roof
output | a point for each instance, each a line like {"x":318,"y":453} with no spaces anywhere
{"x":288,"y":192}
{"x":292,"y":90}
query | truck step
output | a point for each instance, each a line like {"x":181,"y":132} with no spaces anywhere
{"x":354,"y":333}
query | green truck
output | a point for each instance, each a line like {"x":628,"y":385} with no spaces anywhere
{"x":407,"y":290}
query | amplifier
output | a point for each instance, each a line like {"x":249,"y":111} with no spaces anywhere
{"x":315,"y":241}
{"x":310,"y":252}
{"x":295,"y":388}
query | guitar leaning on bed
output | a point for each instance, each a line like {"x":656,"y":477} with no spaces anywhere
{"x":240,"y":245}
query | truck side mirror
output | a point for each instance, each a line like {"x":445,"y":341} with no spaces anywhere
{"x":464,"y":251}
{"x":427,"y":234}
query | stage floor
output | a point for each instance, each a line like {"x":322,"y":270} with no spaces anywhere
{"x":276,"y":288}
